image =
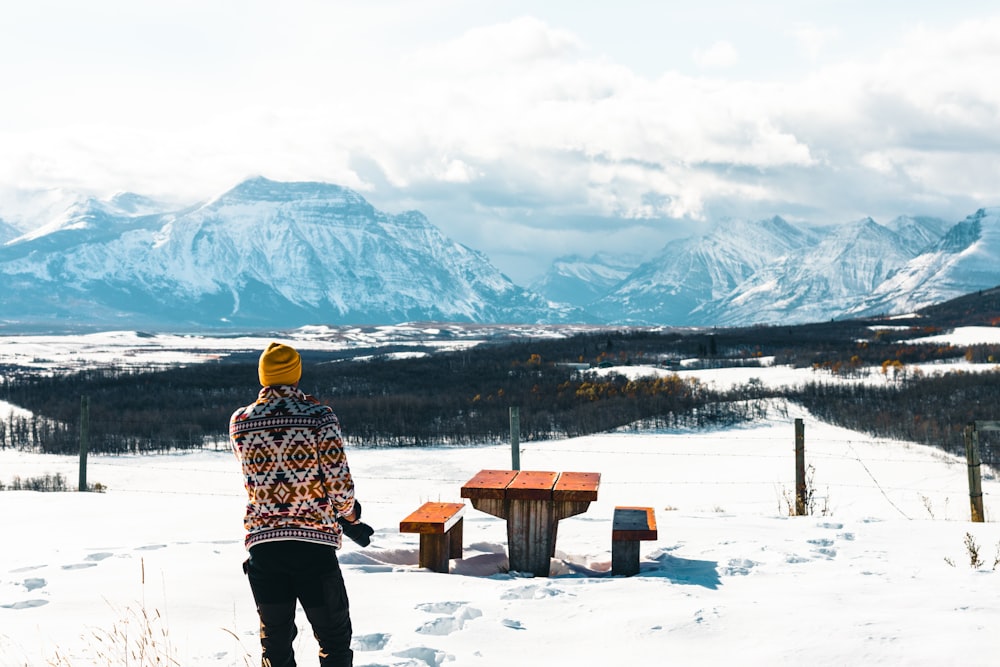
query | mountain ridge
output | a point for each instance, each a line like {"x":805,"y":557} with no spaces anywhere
{"x":267,"y":253}
{"x":258,"y":253}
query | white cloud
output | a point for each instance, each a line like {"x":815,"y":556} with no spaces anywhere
{"x":517,"y":119}
{"x":812,"y":39}
{"x":525,"y":40}
{"x":879,"y":161}
{"x":720,"y":55}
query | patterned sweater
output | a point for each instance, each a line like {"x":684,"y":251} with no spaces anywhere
{"x":294,"y":468}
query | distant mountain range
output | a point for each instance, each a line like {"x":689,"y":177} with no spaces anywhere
{"x":263,"y":254}
{"x":771,"y":271}
{"x":267,"y":254}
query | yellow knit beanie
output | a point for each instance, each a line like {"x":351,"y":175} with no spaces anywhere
{"x":279,"y":364}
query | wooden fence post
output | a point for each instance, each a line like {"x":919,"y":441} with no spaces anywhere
{"x":84,"y":433}
{"x":515,"y":439}
{"x":801,"y":492}
{"x":975,"y":474}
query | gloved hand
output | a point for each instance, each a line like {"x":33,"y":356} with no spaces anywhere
{"x":357,"y":531}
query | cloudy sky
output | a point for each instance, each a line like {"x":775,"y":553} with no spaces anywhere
{"x":526,"y":130}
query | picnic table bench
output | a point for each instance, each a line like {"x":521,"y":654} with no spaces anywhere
{"x":533,"y":503}
{"x":629,"y":526}
{"x":440,"y":529}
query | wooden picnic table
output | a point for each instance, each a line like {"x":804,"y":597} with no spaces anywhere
{"x":532,"y":502}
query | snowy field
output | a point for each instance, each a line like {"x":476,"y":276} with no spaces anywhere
{"x":57,"y":353}
{"x":880,"y":574}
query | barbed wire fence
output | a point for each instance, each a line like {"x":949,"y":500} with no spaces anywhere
{"x":663,"y":480}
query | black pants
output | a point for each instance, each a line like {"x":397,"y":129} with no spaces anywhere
{"x":281,"y":573}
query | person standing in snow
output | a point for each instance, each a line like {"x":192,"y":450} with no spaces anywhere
{"x":300,"y":502}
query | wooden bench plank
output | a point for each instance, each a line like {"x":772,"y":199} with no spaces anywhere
{"x":633,"y":523}
{"x":577,"y":486}
{"x":433,"y":518}
{"x":440,"y":526}
{"x":532,"y":485}
{"x":488,"y":484}
{"x":629,"y":526}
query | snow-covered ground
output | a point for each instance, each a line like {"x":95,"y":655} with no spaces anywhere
{"x":965,"y":336}
{"x":139,"y":349}
{"x":880,"y":574}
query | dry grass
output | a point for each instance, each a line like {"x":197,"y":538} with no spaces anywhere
{"x":138,"y":638}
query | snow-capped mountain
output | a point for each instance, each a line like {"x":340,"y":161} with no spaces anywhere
{"x":919,"y":232}
{"x":965,"y":260}
{"x":277,"y":255}
{"x":23,"y":209}
{"x":578,"y":280}
{"x":817,"y":282}
{"x":262,"y":254}
{"x":692,"y":272}
{"x":773,"y":272}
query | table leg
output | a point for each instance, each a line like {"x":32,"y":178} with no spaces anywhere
{"x":532,"y":526}
{"x":531,"y":536}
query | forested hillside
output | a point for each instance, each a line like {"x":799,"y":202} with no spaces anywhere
{"x":444,"y":398}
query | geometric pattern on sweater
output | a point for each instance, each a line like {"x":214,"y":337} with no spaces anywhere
{"x":295,"y":472}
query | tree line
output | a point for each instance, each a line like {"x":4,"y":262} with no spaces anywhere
{"x":931,"y":410}
{"x":463,"y":397}
{"x":444,"y":398}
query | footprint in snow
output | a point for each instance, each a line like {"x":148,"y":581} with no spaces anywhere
{"x":25,"y":604}
{"x":739,"y":567}
{"x":29,"y":568}
{"x":100,"y":556}
{"x":824,"y":547}
{"x":441,"y":626}
{"x":512,"y":624}
{"x":456,"y":614}
{"x":33,"y":583}
{"x":30,"y":584}
{"x":373,"y":642}
{"x":440,"y":607}
{"x":532,"y":592}
{"x":432,"y":657}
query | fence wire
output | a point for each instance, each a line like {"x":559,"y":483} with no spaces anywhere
{"x":109,"y":461}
